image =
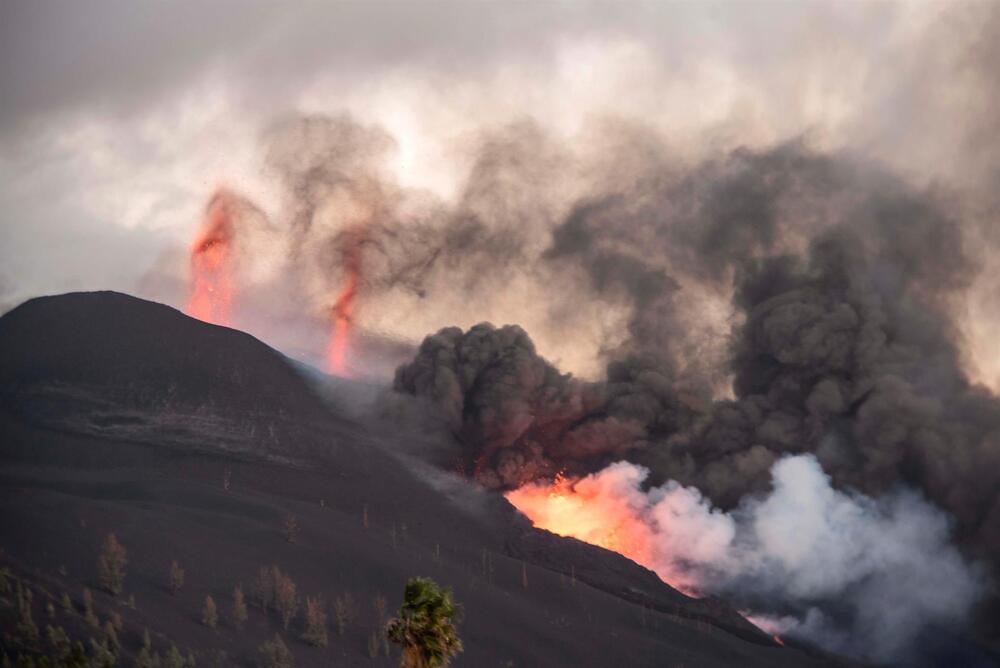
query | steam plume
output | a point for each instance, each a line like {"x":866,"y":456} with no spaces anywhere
{"x":856,"y":575}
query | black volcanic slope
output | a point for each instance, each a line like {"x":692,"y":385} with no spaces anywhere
{"x":194,"y":442}
{"x":110,"y":364}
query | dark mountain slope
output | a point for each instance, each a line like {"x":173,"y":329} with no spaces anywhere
{"x":194,"y":442}
{"x":118,"y":366}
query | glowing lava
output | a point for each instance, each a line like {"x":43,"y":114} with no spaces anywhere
{"x":584,"y":509}
{"x":213,"y":285}
{"x":342,"y":312}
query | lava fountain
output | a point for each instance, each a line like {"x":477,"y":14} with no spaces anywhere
{"x":213,"y":286}
{"x":342,"y":313}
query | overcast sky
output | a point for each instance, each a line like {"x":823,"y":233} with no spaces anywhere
{"x":118,"y":118}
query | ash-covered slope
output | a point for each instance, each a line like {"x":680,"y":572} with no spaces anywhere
{"x":111,"y":364}
{"x":196,"y":443}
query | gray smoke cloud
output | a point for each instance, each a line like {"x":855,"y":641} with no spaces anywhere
{"x":845,"y":282}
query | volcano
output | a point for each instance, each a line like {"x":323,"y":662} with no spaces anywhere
{"x":195,"y":443}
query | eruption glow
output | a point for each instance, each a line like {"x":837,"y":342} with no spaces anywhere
{"x":213,"y":286}
{"x":602,"y":509}
{"x":798,"y":545}
{"x":343,"y":309}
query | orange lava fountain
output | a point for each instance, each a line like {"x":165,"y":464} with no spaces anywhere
{"x":213,"y":287}
{"x":342,"y":312}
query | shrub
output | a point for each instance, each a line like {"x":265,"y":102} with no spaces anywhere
{"x":26,"y":628}
{"x":425,"y":627}
{"x":344,"y":611}
{"x":291,"y":528}
{"x":286,"y":601}
{"x":239,"y":607}
{"x":111,"y":565}
{"x":101,"y":655}
{"x":88,"y":608}
{"x":374,"y":642}
{"x":275,"y":654}
{"x":175,"y":577}
{"x":315,"y":633}
{"x":145,"y":657}
{"x":209,"y":613}
{"x":262,"y":588}
{"x":174,"y":659}
{"x":60,"y":642}
{"x":379,"y":603}
{"x":111,"y":637}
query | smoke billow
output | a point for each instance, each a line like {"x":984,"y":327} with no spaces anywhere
{"x":843,"y":282}
{"x":844,"y":285}
{"x":853,"y":574}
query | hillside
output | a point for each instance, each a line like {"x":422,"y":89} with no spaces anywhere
{"x":196,"y":443}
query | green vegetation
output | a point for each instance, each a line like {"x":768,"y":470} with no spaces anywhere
{"x":425,"y":628}
{"x":175,"y":577}
{"x":275,"y":654}
{"x":286,"y":601}
{"x":111,"y":565}
{"x":88,"y":608}
{"x":262,"y":588}
{"x":315,"y":633}
{"x":344,"y":611}
{"x":291,"y":528}
{"x":239,"y":607}
{"x":26,"y":628}
{"x":209,"y":613}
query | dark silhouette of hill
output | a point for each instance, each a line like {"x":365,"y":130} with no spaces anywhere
{"x":114,"y":365}
{"x":195,"y":443}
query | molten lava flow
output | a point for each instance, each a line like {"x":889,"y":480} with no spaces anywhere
{"x":212,"y":283}
{"x":343,"y":309}
{"x":584,"y":509}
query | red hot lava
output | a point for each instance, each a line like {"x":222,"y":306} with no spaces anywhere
{"x":342,"y":313}
{"x":213,"y":286}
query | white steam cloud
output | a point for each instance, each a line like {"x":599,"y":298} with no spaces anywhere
{"x":853,"y":574}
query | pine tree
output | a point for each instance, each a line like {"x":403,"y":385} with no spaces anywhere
{"x":344,"y":611}
{"x":239,"y":607}
{"x":315,"y":633}
{"x":209,"y":613}
{"x":286,"y":601}
{"x":175,"y":577}
{"x":275,"y":654}
{"x":111,"y":565}
{"x":174,"y":658}
{"x":88,"y":608}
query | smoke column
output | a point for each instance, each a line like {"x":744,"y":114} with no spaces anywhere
{"x":805,"y":551}
{"x":211,"y":272}
{"x":343,"y":309}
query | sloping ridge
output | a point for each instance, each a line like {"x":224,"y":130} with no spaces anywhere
{"x":109,"y":363}
{"x":117,"y":367}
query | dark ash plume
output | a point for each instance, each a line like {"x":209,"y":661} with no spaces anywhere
{"x":844,"y":282}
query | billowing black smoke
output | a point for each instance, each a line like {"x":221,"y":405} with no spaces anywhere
{"x":843,"y":281}
{"x":843,"y":346}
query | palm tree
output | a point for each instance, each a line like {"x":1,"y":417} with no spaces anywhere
{"x":425,"y":627}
